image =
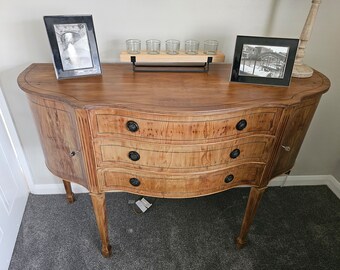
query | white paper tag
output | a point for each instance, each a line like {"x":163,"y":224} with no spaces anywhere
{"x":146,"y":203}
{"x":141,"y":206}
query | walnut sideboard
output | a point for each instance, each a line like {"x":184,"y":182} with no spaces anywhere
{"x":169,"y":135}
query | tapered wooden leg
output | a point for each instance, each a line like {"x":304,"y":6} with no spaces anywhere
{"x":254,"y":199}
{"x":69,"y":194}
{"x":99,"y":207}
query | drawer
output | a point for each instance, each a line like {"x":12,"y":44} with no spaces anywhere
{"x":179,"y":185}
{"x":195,"y":157}
{"x":175,"y":128}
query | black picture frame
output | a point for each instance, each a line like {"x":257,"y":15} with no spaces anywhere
{"x":74,"y":46}
{"x":264,"y":60}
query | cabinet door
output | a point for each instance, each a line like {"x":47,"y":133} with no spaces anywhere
{"x":59,"y":138}
{"x":294,"y":134}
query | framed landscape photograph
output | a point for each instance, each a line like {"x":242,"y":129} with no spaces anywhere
{"x":74,"y":46}
{"x":262,"y":60}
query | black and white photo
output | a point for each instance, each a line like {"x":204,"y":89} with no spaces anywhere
{"x":73,"y":45}
{"x":264,"y":60}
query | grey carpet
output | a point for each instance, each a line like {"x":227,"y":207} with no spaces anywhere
{"x":295,"y":228}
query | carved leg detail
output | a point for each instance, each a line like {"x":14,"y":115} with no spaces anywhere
{"x":69,"y":194}
{"x":99,"y":207}
{"x":254,"y":199}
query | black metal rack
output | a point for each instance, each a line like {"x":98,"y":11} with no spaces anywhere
{"x":171,"y":67}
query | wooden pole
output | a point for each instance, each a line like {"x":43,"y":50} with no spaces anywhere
{"x":301,"y":70}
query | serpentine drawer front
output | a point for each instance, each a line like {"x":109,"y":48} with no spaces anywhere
{"x":196,"y":157}
{"x":219,"y":127}
{"x":180,"y":185}
{"x":172,"y":135}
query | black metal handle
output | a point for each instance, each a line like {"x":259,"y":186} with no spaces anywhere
{"x":229,"y":178}
{"x":134,"y":156}
{"x":235,"y":153}
{"x":135,"y":182}
{"x":132,"y":126}
{"x":242,"y":124}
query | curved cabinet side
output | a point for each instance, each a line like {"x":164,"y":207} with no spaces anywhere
{"x":59,"y":138}
{"x":294,"y":133}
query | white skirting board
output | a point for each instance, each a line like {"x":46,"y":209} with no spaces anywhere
{"x":41,"y":189}
{"x":308,"y":180}
{"x":292,"y":180}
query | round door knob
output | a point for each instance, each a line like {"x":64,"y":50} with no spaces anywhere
{"x":132,"y":126}
{"x":235,"y":153}
{"x":229,"y":178}
{"x":73,"y":153}
{"x":135,"y":182}
{"x":242,"y":124}
{"x":134,"y":156}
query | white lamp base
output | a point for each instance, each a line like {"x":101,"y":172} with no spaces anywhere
{"x":302,"y":71}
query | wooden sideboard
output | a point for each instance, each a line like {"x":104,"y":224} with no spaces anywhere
{"x":169,"y":135}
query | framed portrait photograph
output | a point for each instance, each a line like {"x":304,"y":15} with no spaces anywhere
{"x":263,"y":60}
{"x":73,"y":44}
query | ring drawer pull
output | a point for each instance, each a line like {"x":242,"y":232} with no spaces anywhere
{"x":134,"y":156}
{"x":235,"y":153}
{"x":132,"y":126}
{"x":229,"y":178}
{"x":135,"y":182}
{"x":242,"y":124}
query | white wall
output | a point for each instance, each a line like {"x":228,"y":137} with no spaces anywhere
{"x":24,"y":40}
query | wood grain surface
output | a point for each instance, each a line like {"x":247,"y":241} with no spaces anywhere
{"x":186,"y":132}
{"x":175,"y":93}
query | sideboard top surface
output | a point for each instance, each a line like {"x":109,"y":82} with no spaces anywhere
{"x":120,"y":87}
